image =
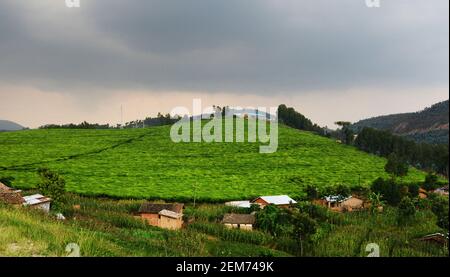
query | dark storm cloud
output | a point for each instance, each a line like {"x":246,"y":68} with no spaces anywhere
{"x":252,"y":46}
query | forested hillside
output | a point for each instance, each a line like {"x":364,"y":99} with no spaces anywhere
{"x":430,"y":125}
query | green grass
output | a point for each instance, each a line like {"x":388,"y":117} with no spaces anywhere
{"x":145,"y":163}
{"x":358,"y":229}
{"x":106,"y":227}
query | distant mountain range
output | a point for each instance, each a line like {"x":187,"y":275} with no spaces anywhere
{"x":430,"y":125}
{"x":6,"y":125}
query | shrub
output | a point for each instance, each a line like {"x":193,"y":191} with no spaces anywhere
{"x":52,"y":185}
{"x":342,"y":190}
{"x":413,"y":190}
{"x":439,"y":207}
{"x":406,"y":211}
{"x":312,"y":192}
{"x":273,"y":220}
{"x":389,"y":190}
{"x":396,"y":166}
{"x":431,"y":182}
{"x":314,"y":211}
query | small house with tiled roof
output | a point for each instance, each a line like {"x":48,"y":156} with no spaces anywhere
{"x":167,"y":216}
{"x":239,"y":221}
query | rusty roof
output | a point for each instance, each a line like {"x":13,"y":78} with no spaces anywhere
{"x":4,"y":188}
{"x":170,"y":214}
{"x":239,"y":219}
{"x":155,"y":208}
{"x":13,"y":198}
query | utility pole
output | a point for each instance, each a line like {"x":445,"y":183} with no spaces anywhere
{"x":121,"y":116}
{"x":359,"y":179}
{"x":195,"y":192}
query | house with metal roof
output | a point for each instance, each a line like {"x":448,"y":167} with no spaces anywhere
{"x":38,"y":201}
{"x":442,"y":191}
{"x":239,"y":204}
{"x":340,"y":203}
{"x":283,"y":201}
{"x":438,"y":238}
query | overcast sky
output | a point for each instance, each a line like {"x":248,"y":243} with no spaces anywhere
{"x":330,"y":59}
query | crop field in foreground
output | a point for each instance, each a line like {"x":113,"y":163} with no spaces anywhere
{"x":145,"y":163}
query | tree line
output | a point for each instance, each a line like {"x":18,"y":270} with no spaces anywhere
{"x":424,"y":156}
{"x":292,"y":118}
{"x":159,"y":120}
{"x":83,"y":125}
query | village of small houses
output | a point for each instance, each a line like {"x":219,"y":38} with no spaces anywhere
{"x":273,"y":225}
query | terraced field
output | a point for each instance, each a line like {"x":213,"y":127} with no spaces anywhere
{"x":145,"y":163}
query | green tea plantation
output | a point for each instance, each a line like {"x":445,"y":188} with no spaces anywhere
{"x":145,"y":163}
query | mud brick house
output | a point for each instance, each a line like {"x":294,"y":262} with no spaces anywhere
{"x":167,"y":216}
{"x":10,"y":196}
{"x":239,"y":221}
{"x":14,"y":197}
{"x":38,"y":201}
{"x":343,"y":204}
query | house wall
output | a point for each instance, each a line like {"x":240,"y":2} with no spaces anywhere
{"x":163,"y":221}
{"x":353,"y":203}
{"x":152,"y":219}
{"x":248,"y":227}
{"x":261,"y":202}
{"x":170,"y":223}
{"x":44,"y":206}
{"x":228,"y":225}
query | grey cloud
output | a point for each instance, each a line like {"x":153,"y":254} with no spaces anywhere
{"x":257,"y":46}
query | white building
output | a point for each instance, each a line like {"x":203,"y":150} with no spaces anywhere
{"x":38,"y":201}
{"x":277,"y":200}
{"x":239,"y":204}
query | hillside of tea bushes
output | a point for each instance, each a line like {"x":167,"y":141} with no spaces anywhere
{"x":145,"y":163}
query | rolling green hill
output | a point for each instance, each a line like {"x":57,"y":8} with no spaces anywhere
{"x":145,"y":163}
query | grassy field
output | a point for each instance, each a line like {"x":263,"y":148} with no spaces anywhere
{"x":145,"y":163}
{"x":106,"y":227}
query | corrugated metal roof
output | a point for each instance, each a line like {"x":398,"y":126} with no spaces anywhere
{"x":4,"y":187}
{"x":154,"y":208}
{"x":12,"y":198}
{"x":35,"y":199}
{"x":239,"y":219}
{"x":336,"y":198}
{"x":34,"y":196}
{"x":170,"y":214}
{"x":278,"y":200}
{"x":239,"y":204}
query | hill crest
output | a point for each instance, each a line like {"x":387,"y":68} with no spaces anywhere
{"x":6,"y":125}
{"x":430,"y":125}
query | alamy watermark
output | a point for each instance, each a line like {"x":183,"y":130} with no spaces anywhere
{"x":73,"y":250}
{"x":373,"y":3}
{"x":73,"y":3}
{"x":227,"y":125}
{"x":373,"y":249}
